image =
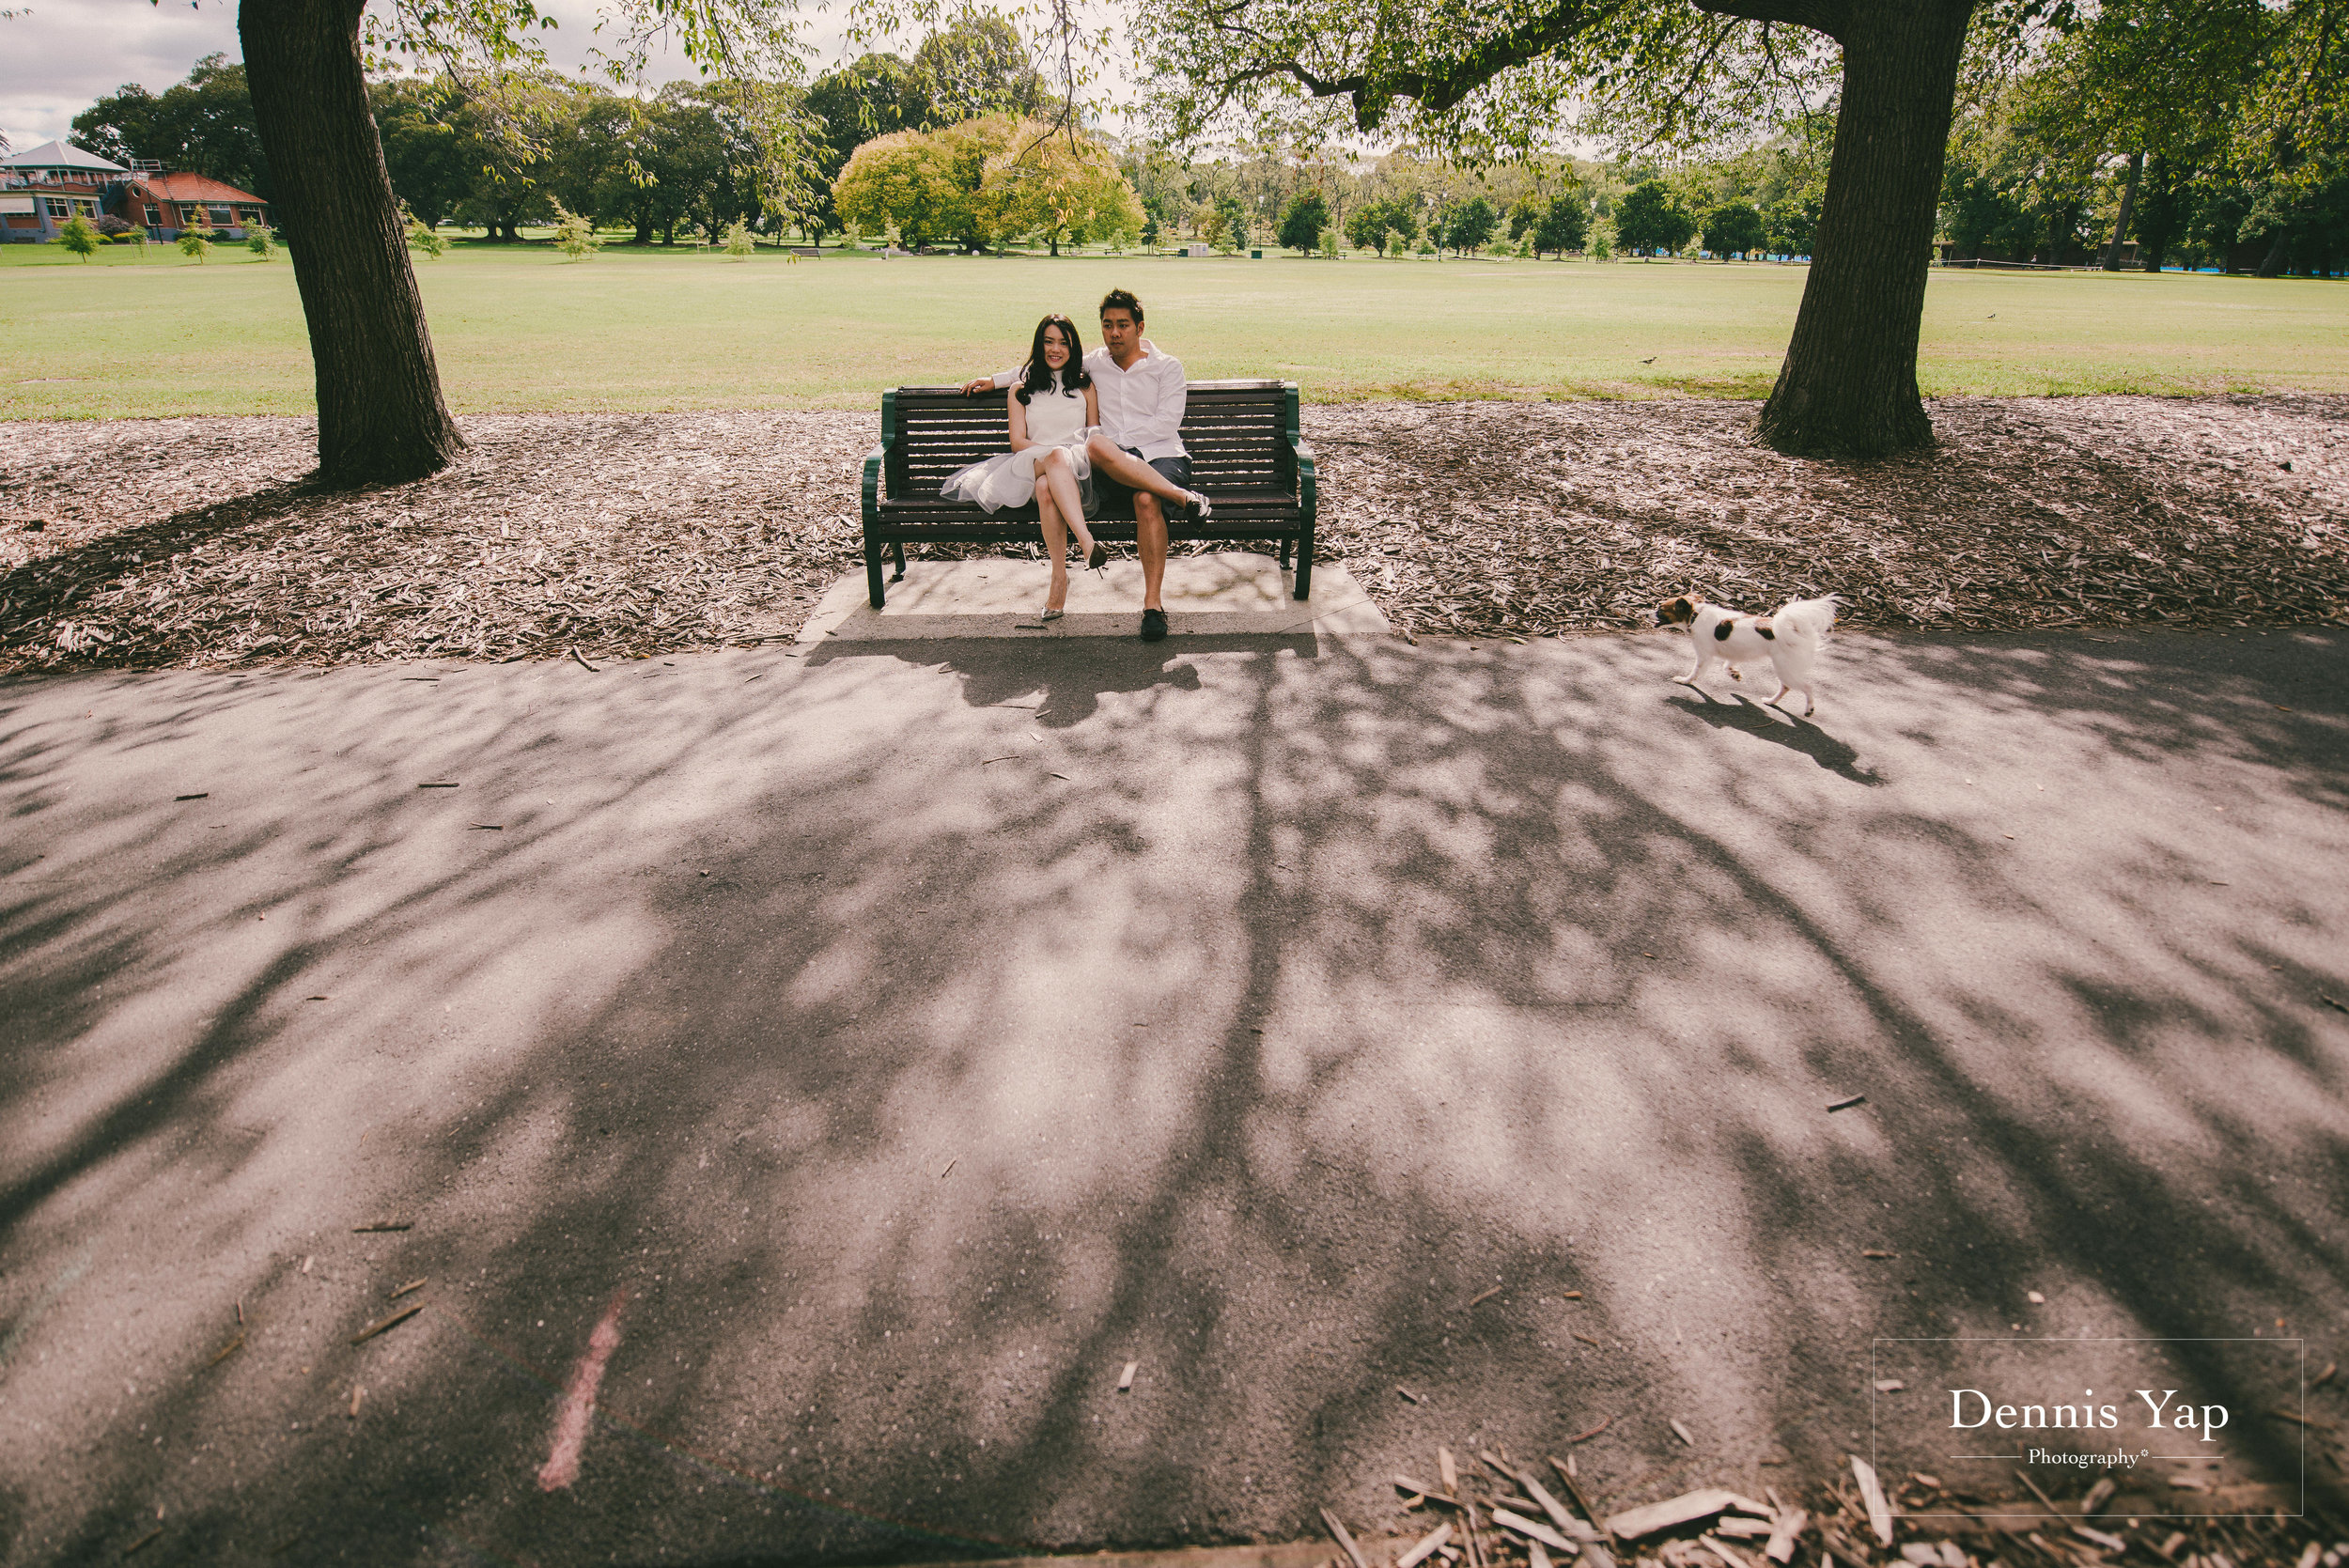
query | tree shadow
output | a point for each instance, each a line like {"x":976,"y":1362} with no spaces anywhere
{"x":48,"y":587}
{"x":1061,"y":682}
{"x":911,"y":1061}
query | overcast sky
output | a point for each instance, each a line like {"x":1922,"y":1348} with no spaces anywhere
{"x":65,"y":54}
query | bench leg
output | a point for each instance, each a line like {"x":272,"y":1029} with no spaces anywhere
{"x":1285,"y":554}
{"x":1305,"y":561}
{"x":899,"y":575}
{"x":873,"y":589}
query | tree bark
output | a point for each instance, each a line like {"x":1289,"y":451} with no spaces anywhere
{"x":1848,"y":387}
{"x":2062,"y":219}
{"x":381,"y":417}
{"x":2120,"y":223}
{"x":2277,"y":255}
{"x":2158,"y":223}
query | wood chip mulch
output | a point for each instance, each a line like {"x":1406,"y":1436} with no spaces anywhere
{"x":190,"y":542}
{"x":1484,"y":1508}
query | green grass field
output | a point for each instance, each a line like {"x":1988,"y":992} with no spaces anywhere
{"x":630,"y":330}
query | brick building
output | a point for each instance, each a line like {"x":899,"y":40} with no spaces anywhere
{"x":41,"y":189}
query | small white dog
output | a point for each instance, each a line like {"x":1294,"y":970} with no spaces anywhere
{"x":1790,"y":639}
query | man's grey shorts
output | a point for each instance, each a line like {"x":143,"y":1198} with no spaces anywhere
{"x":1175,"y":471}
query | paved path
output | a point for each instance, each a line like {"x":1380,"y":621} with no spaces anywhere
{"x":852,"y":1059}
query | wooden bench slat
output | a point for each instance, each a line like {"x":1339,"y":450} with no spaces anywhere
{"x":931,"y":505}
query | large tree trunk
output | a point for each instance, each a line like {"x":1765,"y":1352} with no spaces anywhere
{"x":2277,"y":254}
{"x":2120,"y":223}
{"x":381,"y":418}
{"x":1848,"y":387}
{"x":2061,"y":219}
{"x":2157,"y":223}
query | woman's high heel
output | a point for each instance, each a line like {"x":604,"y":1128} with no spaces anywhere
{"x":1097,"y":556}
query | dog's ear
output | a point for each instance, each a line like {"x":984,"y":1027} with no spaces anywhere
{"x":1675,"y":610}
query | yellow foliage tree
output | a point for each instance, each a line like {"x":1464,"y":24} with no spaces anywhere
{"x":1047,"y":183}
{"x":985,"y":182}
{"x":902,"y":182}
{"x":971,"y":149}
{"x":893,"y":181}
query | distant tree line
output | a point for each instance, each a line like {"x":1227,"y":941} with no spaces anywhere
{"x":513,"y":151}
{"x":2147,"y":126}
{"x":521,"y":146}
{"x":204,"y":125}
{"x":2040,"y":169}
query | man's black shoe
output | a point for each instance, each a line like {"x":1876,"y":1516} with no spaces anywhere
{"x":1152,"y":625}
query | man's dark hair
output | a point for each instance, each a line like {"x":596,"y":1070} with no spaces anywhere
{"x":1122,"y":299}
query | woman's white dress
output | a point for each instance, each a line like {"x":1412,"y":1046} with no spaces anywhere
{"x":1055,"y":419}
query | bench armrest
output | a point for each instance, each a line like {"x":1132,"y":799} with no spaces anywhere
{"x":873,"y":461}
{"x":1307,"y":478}
{"x":876,"y":460}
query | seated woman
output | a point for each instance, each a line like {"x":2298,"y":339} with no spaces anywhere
{"x":1053,"y":410}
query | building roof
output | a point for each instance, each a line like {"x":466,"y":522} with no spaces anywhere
{"x":194,"y":187}
{"x":58,"y":155}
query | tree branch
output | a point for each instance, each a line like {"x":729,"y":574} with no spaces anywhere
{"x":1439,"y":86}
{"x":1820,"y":16}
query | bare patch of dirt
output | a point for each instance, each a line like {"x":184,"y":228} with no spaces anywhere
{"x":190,"y":542}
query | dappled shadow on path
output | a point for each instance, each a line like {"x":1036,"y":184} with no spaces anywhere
{"x":914,"y":1037}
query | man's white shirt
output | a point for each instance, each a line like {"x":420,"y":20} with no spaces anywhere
{"x":1141,"y":407}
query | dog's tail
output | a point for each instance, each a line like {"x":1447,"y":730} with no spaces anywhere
{"x":1806,"y":617}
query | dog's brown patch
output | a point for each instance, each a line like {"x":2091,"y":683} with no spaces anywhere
{"x":1720,"y":632}
{"x":1761,"y":625}
{"x":1678,"y":610}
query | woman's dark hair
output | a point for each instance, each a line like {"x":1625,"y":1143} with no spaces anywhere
{"x":1040,"y":377}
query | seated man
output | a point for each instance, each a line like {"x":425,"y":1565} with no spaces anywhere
{"x":1139,"y":448}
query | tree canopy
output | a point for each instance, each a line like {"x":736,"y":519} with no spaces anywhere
{"x":1733,"y":228}
{"x":1513,"y":75}
{"x":1377,"y":226}
{"x":1651,"y":219}
{"x":500,"y":153}
{"x":204,"y":125}
{"x":2213,"y":127}
{"x":977,"y":66}
{"x":1468,"y":225}
{"x":1060,"y":187}
{"x":981,"y":182}
{"x":1563,"y":226}
{"x":1308,"y":214}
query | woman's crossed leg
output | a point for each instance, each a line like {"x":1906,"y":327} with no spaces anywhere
{"x":1060,"y":508}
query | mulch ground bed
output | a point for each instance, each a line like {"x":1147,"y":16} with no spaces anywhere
{"x":1483,"y":1508}
{"x":178,"y":543}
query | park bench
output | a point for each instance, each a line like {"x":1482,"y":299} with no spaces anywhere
{"x":1245,"y":457}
